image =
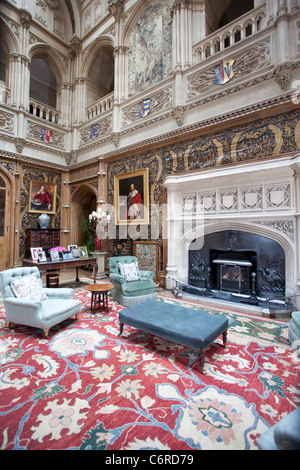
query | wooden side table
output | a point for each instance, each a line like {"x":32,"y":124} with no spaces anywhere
{"x":99,"y":295}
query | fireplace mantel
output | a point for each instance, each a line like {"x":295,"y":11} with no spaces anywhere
{"x":260,"y":197}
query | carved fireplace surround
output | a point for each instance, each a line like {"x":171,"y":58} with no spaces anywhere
{"x":235,"y":229}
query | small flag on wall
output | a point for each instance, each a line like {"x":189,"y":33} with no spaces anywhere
{"x":224,"y":71}
{"x":46,"y":135}
{"x":94,"y":130}
{"x":144,"y":107}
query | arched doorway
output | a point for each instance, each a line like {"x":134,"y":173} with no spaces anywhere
{"x":5,"y":222}
{"x":83,"y":202}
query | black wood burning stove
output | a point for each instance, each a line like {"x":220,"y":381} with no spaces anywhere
{"x":240,"y":263}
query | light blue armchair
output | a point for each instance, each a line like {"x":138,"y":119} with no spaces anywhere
{"x":26,"y":302}
{"x":129,"y":292}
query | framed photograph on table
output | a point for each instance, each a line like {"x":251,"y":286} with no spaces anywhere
{"x":34,"y":253}
{"x":75,"y":252}
{"x":67,"y":254}
{"x":132,"y":197}
{"x":83,"y":252}
{"x":148,"y":256}
{"x":42,"y":197}
{"x":54,"y":255}
{"x":41,"y":256}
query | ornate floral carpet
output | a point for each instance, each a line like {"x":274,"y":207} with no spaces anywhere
{"x":86,"y":388}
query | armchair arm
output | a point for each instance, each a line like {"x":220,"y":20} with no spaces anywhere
{"x":16,"y":303}
{"x":59,"y":293}
{"x":147,"y":275}
{"x":23,"y":311}
{"x":117,"y":278}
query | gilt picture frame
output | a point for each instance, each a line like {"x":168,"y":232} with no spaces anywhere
{"x":132,"y":197}
{"x":42,"y":197}
{"x":83,"y":253}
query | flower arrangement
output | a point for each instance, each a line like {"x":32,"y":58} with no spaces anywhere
{"x":58,"y":248}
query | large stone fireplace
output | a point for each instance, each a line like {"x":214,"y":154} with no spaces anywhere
{"x":241,"y":263}
{"x":233,"y":232}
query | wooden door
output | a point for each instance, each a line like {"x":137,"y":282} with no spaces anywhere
{"x":5,"y":245}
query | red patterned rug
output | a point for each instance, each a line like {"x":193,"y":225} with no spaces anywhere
{"x":86,"y":388}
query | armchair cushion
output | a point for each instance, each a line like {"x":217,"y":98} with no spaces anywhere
{"x":27,"y":287}
{"x":130,"y":271}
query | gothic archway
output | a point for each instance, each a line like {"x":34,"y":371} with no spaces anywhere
{"x":83,"y":202}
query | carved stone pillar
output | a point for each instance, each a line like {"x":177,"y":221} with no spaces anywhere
{"x":182,"y":33}
{"x":24,"y":64}
{"x":14,"y":73}
{"x":65,"y":99}
{"x":78,"y":88}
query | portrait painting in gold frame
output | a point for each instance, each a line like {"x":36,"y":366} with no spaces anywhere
{"x":132,"y":197}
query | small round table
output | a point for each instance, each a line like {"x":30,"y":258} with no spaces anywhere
{"x":99,"y":295}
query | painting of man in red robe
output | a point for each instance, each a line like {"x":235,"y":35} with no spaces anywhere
{"x":131,"y":197}
{"x":42,"y":197}
{"x":134,"y":203}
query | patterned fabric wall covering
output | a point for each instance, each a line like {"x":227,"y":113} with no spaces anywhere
{"x":260,"y":140}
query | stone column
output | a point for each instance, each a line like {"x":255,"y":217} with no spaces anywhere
{"x":182,"y":34}
{"x":100,"y":255}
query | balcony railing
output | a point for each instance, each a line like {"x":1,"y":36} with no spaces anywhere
{"x":103,"y":104}
{"x":43,"y":111}
{"x":234,"y":32}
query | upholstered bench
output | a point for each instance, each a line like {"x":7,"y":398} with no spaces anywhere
{"x":193,"y":328}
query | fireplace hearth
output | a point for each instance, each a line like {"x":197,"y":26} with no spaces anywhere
{"x":237,"y":265}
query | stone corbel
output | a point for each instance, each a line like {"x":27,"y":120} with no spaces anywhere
{"x":74,"y":47}
{"x":283,"y":75}
{"x":25,"y":17}
{"x":71,"y":157}
{"x":115,"y":138}
{"x":20,"y":143}
{"x":177,"y":113}
{"x":116,"y":8}
{"x":52,"y":4}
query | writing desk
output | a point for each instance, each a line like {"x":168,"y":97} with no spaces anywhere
{"x":45,"y":266}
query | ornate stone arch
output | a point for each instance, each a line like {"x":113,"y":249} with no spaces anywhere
{"x":135,"y":15}
{"x":92,"y":52}
{"x":53,"y":58}
{"x":8,"y":37}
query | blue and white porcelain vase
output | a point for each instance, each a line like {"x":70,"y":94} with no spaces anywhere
{"x":44,"y":220}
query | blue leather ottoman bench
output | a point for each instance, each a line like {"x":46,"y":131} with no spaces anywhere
{"x":194,"y":328}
